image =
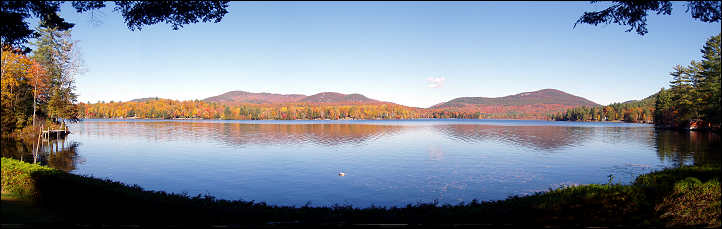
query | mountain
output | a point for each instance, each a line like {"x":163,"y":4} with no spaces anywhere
{"x":144,"y":99}
{"x":535,"y":104}
{"x":649,"y":101}
{"x":334,"y":97}
{"x":545,"y":96}
{"x":257,"y":98}
{"x":332,"y":105}
{"x":236,"y":97}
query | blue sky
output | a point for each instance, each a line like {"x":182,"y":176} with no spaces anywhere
{"x":386,"y":51}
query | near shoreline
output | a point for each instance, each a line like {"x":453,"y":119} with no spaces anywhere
{"x":656,"y":199}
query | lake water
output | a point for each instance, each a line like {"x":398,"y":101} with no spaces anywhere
{"x":387,"y":163}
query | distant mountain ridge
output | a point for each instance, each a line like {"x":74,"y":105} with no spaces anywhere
{"x":144,"y":99}
{"x":257,"y":98}
{"x":235,"y":97}
{"x":245,"y":105}
{"x":535,"y":104}
{"x":544,"y":96}
{"x":649,"y":101}
{"x":525,"y":105}
{"x":334,"y":97}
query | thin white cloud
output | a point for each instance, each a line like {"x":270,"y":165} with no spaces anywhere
{"x":436,"y":82}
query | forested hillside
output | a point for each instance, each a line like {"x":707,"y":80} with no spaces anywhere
{"x":630,"y":111}
{"x":527,"y":105}
{"x":332,"y":105}
{"x":545,"y":96}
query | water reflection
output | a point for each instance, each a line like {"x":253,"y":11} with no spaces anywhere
{"x":320,"y":134}
{"x":546,"y":138}
{"x":681,"y":148}
{"x":685,"y":148}
{"x":387,"y":163}
{"x":58,"y":154}
{"x":242,"y":133}
{"x":537,"y":137}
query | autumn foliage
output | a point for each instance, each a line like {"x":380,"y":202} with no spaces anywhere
{"x":173,"y":109}
{"x":22,"y":79}
{"x":38,"y":89}
{"x":195,"y":109}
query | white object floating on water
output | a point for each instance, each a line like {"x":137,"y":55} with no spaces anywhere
{"x":341,"y":174}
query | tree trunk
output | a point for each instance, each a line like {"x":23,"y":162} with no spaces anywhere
{"x":35,"y":98}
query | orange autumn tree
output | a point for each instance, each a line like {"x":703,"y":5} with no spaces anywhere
{"x":40,"y":80}
{"x":23,"y":81}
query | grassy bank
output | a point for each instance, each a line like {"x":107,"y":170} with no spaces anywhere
{"x":678,"y":197}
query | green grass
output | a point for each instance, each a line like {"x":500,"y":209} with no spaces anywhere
{"x":17,"y":177}
{"x":671,"y":197}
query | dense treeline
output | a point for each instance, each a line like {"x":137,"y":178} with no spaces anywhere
{"x":633,"y":111}
{"x":39,"y":87}
{"x":694,"y":95}
{"x":452,"y":113}
{"x":170,"y":109}
{"x":456,"y":114}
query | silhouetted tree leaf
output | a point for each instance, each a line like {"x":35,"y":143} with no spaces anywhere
{"x":15,"y":31}
{"x":177,"y":13}
{"x":634,"y":13}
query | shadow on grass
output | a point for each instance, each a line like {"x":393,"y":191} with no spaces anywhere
{"x":80,"y":199}
{"x":18,"y":210}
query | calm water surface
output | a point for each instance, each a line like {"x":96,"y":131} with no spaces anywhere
{"x":387,"y":163}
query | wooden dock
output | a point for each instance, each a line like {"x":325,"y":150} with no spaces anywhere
{"x":55,"y":134}
{"x":47,"y":136}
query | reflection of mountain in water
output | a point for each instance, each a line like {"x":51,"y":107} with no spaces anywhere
{"x":537,"y":137}
{"x":682,"y":148}
{"x":679,"y":148}
{"x":322,"y":134}
{"x":545,"y":137}
{"x":243,"y":133}
{"x":56,"y":154}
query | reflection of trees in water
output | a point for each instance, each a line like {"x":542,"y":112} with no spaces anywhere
{"x":688,"y":147}
{"x":63,"y":156}
{"x":546,"y":137}
{"x":56,"y":154}
{"x":538,"y":137}
{"x":680,"y":148}
{"x":241,"y":133}
{"x":323,"y":134}
{"x":17,"y":149}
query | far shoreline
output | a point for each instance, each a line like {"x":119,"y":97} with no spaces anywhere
{"x":261,"y":121}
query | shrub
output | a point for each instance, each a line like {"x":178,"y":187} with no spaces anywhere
{"x":17,"y":177}
{"x":692,"y":203}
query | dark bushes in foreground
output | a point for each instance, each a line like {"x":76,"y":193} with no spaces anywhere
{"x":657,"y":198}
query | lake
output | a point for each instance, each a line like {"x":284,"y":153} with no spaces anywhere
{"x":386,"y":163}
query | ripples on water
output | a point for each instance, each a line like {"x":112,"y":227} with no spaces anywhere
{"x":388,"y":163}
